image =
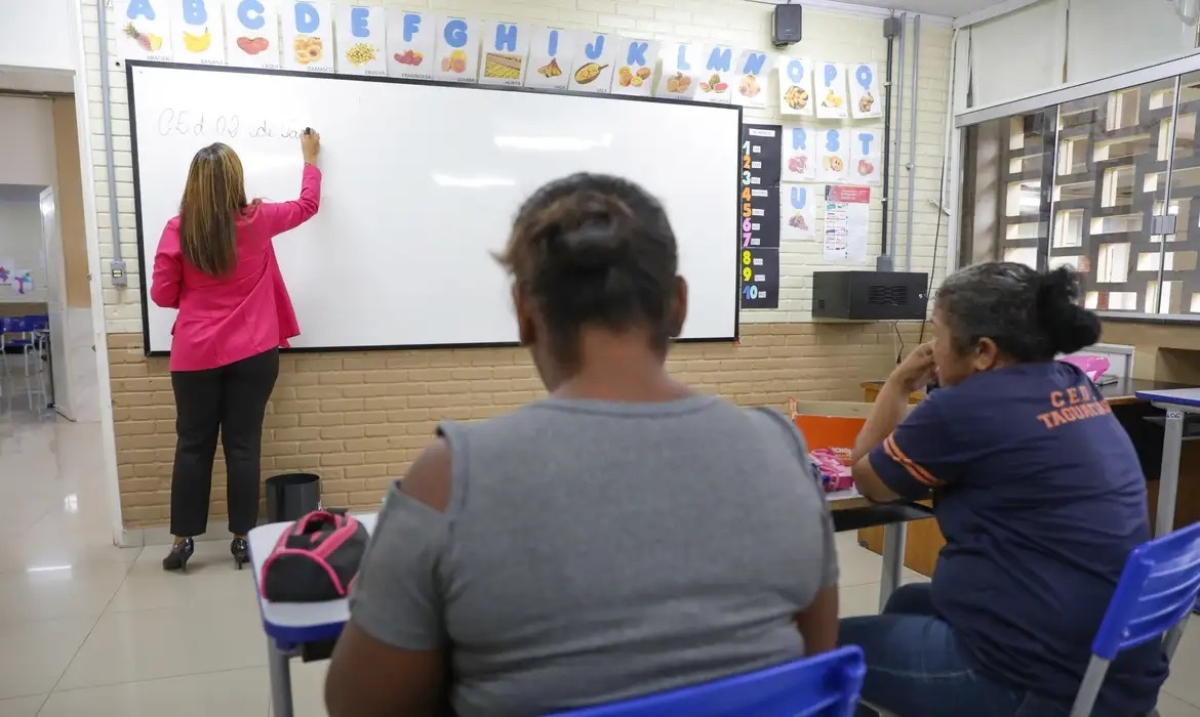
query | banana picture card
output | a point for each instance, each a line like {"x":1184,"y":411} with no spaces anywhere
{"x":505,"y":57}
{"x":308,"y":36}
{"x":411,"y":44}
{"x":831,"y":90}
{"x":361,"y":40}
{"x":636,"y":61}
{"x":252,"y":35}
{"x":551,"y":57}
{"x":593,"y":70}
{"x":795,"y":86}
{"x":457,"y":54}
{"x":143,"y":29}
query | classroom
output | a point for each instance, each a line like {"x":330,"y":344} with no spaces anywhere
{"x":854,"y":191}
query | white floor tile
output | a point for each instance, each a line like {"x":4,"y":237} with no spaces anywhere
{"x":21,"y":706}
{"x":171,"y":642}
{"x":1185,"y":667}
{"x":219,"y":694}
{"x":211,"y":579}
{"x":33,"y":656}
{"x":1169,"y":706}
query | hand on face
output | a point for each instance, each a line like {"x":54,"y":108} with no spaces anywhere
{"x":917,"y":369}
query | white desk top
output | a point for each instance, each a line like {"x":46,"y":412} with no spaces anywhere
{"x":1183,"y":397}
{"x":281,"y":618}
{"x":301,"y":622}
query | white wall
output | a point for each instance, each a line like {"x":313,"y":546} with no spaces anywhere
{"x":21,"y":241}
{"x":27,"y":140}
{"x":37,"y":33}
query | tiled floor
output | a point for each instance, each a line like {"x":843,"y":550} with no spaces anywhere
{"x":90,"y":629}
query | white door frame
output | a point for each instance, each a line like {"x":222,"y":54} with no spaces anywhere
{"x":56,"y":303}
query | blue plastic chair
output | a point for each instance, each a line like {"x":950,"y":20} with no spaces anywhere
{"x":14,"y":333}
{"x":825,"y":685}
{"x":1156,"y":595}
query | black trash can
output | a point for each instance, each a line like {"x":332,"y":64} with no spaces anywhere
{"x":292,"y":495}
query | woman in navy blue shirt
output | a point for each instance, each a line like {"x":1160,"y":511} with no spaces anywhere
{"x":1039,"y":495}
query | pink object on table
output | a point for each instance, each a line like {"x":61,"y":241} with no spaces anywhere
{"x":835,"y":473}
{"x":1093,"y":366}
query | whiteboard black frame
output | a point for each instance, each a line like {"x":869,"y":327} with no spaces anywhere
{"x":143,"y":289}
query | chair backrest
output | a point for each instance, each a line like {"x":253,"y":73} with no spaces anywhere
{"x":826,"y":685}
{"x":13,"y":325}
{"x":1157,"y":589}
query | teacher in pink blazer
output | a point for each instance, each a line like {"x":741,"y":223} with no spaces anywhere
{"x":216,"y":264}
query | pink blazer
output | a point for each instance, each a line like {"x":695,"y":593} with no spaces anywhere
{"x":227,"y":319}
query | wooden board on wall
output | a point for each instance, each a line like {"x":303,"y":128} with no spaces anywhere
{"x":70,"y":203}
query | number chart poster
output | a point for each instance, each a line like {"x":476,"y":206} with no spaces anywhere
{"x":759,"y":211}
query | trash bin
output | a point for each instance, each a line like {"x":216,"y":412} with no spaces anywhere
{"x":292,"y":495}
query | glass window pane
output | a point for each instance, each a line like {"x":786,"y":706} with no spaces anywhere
{"x":1110,"y":169}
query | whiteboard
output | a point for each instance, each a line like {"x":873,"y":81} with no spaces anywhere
{"x":421,"y":184}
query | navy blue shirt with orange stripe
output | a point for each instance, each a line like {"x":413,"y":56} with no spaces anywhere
{"x":1041,"y":499}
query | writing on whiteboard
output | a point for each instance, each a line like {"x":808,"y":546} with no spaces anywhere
{"x":195,"y":123}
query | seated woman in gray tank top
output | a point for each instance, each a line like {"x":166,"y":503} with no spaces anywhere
{"x":624,"y":536}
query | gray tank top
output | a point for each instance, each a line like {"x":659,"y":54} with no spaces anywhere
{"x":595,"y":551}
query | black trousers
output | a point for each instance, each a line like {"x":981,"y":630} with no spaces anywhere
{"x":231,"y":400}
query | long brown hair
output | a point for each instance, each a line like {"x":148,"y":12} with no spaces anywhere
{"x":213,"y":200}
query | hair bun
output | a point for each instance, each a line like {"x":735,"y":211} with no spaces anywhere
{"x":1071,"y":327}
{"x":586,"y":232}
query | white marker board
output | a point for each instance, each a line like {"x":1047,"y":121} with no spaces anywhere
{"x":422,"y":182}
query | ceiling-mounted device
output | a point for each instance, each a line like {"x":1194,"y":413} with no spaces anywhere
{"x":786,"y":24}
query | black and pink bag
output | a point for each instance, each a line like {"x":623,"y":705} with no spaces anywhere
{"x":315,"y":560}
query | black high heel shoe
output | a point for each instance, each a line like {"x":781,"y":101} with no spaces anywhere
{"x":241,"y":551}
{"x":179,"y":556}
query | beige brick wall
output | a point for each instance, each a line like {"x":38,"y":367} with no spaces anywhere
{"x":359,"y":419}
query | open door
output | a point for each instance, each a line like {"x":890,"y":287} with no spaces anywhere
{"x":59,"y":389}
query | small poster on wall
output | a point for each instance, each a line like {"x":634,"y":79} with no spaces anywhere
{"x":22,"y":281}
{"x":865,"y":101}
{"x":6,"y":272}
{"x":681,"y":68}
{"x":635,"y":67}
{"x":551,"y":57}
{"x":751,"y":79}
{"x":308,"y":36}
{"x":361,"y":40}
{"x":799,"y":161}
{"x":252,"y":35}
{"x":144,"y":29}
{"x":847,"y":219}
{"x":505,"y":53}
{"x":833,"y":147}
{"x":758,"y":190}
{"x":593,"y":70}
{"x":865,"y":156}
{"x":411,"y":44}
{"x":795,"y":86}
{"x":457,"y":54}
{"x":798,"y":212}
{"x":831,"y":90}
{"x":199,"y":31}
{"x":716,"y":79}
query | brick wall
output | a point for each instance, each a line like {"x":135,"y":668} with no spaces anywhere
{"x":358,"y":419}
